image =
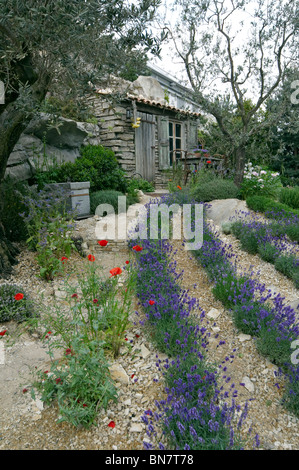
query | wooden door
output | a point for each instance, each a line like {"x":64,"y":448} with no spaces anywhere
{"x":145,"y":146}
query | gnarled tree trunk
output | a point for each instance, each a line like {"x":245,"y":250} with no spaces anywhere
{"x":240,"y":165}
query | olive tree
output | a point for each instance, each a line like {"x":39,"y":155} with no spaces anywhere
{"x":236,"y":52}
{"x":76,"y":43}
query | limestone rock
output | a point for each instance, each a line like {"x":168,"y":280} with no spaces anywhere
{"x":213,"y":314}
{"x":119,"y":374}
{"x":248,"y":384}
{"x":222,"y":210}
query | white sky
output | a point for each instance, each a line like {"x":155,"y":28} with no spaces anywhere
{"x":173,"y":65}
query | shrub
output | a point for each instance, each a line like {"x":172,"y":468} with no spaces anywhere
{"x":292,"y":232}
{"x":290,"y":197}
{"x":285,"y":264}
{"x":259,"y":180}
{"x":96,"y":164}
{"x":11,"y":206}
{"x":249,"y":317}
{"x":229,"y":289}
{"x":217,"y":188}
{"x":140,"y":184}
{"x":291,"y":395}
{"x":275,"y":343}
{"x":110,"y":197}
{"x":258,"y":203}
{"x":267,"y":252}
{"x":13,"y":309}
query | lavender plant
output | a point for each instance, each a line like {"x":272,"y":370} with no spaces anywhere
{"x":190,"y":417}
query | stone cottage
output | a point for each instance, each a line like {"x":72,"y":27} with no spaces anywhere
{"x":146,"y":133}
{"x":138,"y":120}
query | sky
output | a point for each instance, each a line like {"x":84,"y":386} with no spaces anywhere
{"x":174,"y":66}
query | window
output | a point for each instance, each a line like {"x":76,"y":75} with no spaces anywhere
{"x":175,"y":140}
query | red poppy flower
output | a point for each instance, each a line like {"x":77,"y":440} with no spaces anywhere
{"x":68,"y":351}
{"x":25,"y":390}
{"x":115,"y":271}
{"x":103,"y":242}
{"x":91,"y":258}
{"x":84,"y":405}
{"x":179,"y":187}
{"x":133,"y":375}
{"x":46,"y":372}
{"x":19,"y":296}
{"x":209,"y":161}
{"x":111,"y":424}
{"x":95,"y":301}
{"x":151,"y":302}
{"x":127,"y":262}
{"x":137,"y":336}
{"x":137,"y":248}
{"x":63,"y":259}
{"x":74,"y":296}
{"x":3,"y":333}
{"x":58,"y":380}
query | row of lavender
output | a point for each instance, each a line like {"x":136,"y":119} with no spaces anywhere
{"x":275,"y":242}
{"x":254,"y":309}
{"x":197,"y":413}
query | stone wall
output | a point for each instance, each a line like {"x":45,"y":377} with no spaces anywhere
{"x":116,"y":131}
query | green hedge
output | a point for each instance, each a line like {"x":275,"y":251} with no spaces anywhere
{"x":109,"y":197}
{"x":290,"y":197}
{"x":263,"y":204}
{"x":218,"y":188}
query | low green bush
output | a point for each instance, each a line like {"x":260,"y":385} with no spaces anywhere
{"x":274,"y":345}
{"x":110,"y":197}
{"x":217,"y":188}
{"x":267,"y":252}
{"x":258,"y":203}
{"x":292,"y":232}
{"x":290,"y":197}
{"x":11,"y":308}
{"x":249,"y":317}
{"x":267,"y":204}
{"x":96,"y":164}
{"x":228,"y":288}
{"x":140,"y":184}
{"x":285,"y":264}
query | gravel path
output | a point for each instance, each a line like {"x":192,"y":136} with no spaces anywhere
{"x":27,"y":424}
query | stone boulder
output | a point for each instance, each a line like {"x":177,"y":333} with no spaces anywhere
{"x":44,"y":140}
{"x":226,"y":210}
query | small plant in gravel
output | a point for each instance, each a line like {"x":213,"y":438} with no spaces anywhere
{"x":15,"y":304}
{"x":89,"y":325}
{"x":99,"y":308}
{"x":80,"y":382}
